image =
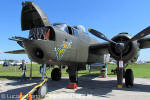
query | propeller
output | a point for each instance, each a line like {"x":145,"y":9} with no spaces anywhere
{"x":100,"y":35}
{"x":141,"y":34}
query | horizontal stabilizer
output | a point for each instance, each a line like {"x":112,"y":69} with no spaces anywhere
{"x":17,"y":52}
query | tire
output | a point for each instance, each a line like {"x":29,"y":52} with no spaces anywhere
{"x":129,"y":78}
{"x":42,"y":91}
{"x":56,"y":74}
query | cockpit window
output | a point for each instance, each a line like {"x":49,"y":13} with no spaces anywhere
{"x":66,"y":28}
{"x":70,"y":30}
{"x":60,"y":26}
{"x":75,"y":32}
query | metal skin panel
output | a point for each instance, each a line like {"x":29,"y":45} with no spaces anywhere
{"x":83,"y":47}
{"x":67,"y":45}
{"x":71,"y":53}
{"x":32,"y":16}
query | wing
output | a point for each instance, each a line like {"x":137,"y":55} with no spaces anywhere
{"x":100,"y":48}
{"x":144,"y":43}
{"x":17,"y":52}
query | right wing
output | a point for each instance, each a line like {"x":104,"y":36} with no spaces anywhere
{"x":17,"y":52}
{"x":144,"y":43}
{"x":100,"y":48}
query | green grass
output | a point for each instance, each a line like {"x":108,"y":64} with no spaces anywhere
{"x":12,"y":72}
{"x":141,"y":70}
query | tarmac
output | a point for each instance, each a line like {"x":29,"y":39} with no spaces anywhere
{"x":89,"y":88}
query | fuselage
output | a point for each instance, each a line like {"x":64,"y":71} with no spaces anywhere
{"x":60,"y":47}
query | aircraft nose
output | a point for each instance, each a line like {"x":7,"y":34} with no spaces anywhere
{"x":34,"y":50}
{"x":39,"y":50}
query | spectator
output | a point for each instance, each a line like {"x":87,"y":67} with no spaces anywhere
{"x":23,"y":66}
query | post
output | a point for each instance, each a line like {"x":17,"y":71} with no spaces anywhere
{"x":120,"y":73}
{"x":31,"y":71}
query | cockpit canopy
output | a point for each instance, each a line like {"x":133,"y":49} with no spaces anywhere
{"x":64,"y":27}
{"x":61,"y":26}
{"x":80,"y":28}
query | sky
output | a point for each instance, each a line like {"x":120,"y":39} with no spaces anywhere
{"x":108,"y":16}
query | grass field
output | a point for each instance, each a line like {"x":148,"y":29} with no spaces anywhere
{"x":140,"y":70}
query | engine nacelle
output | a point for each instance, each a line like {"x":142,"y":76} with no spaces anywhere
{"x":130,"y":52}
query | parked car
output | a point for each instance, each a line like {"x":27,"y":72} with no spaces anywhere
{"x":6,"y":64}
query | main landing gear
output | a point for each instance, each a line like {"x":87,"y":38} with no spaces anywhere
{"x":56,"y":74}
{"x":73,"y":74}
{"x":128,"y":74}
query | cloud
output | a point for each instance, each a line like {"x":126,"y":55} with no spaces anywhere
{"x":1,"y":52}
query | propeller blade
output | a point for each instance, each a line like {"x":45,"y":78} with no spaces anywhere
{"x":100,"y":35}
{"x":141,"y":34}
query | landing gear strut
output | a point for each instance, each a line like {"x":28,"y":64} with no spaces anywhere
{"x":43,"y":70}
{"x":73,"y":74}
{"x":56,"y":74}
{"x":120,"y":74}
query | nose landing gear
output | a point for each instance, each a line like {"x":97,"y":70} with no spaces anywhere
{"x":129,"y":77}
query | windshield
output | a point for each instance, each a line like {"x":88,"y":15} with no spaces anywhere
{"x":62,"y":27}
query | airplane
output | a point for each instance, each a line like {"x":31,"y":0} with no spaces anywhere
{"x":61,"y":44}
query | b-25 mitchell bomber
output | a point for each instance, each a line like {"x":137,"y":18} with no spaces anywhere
{"x":61,"y":44}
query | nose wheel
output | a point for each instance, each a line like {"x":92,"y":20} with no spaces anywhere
{"x":56,"y":74}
